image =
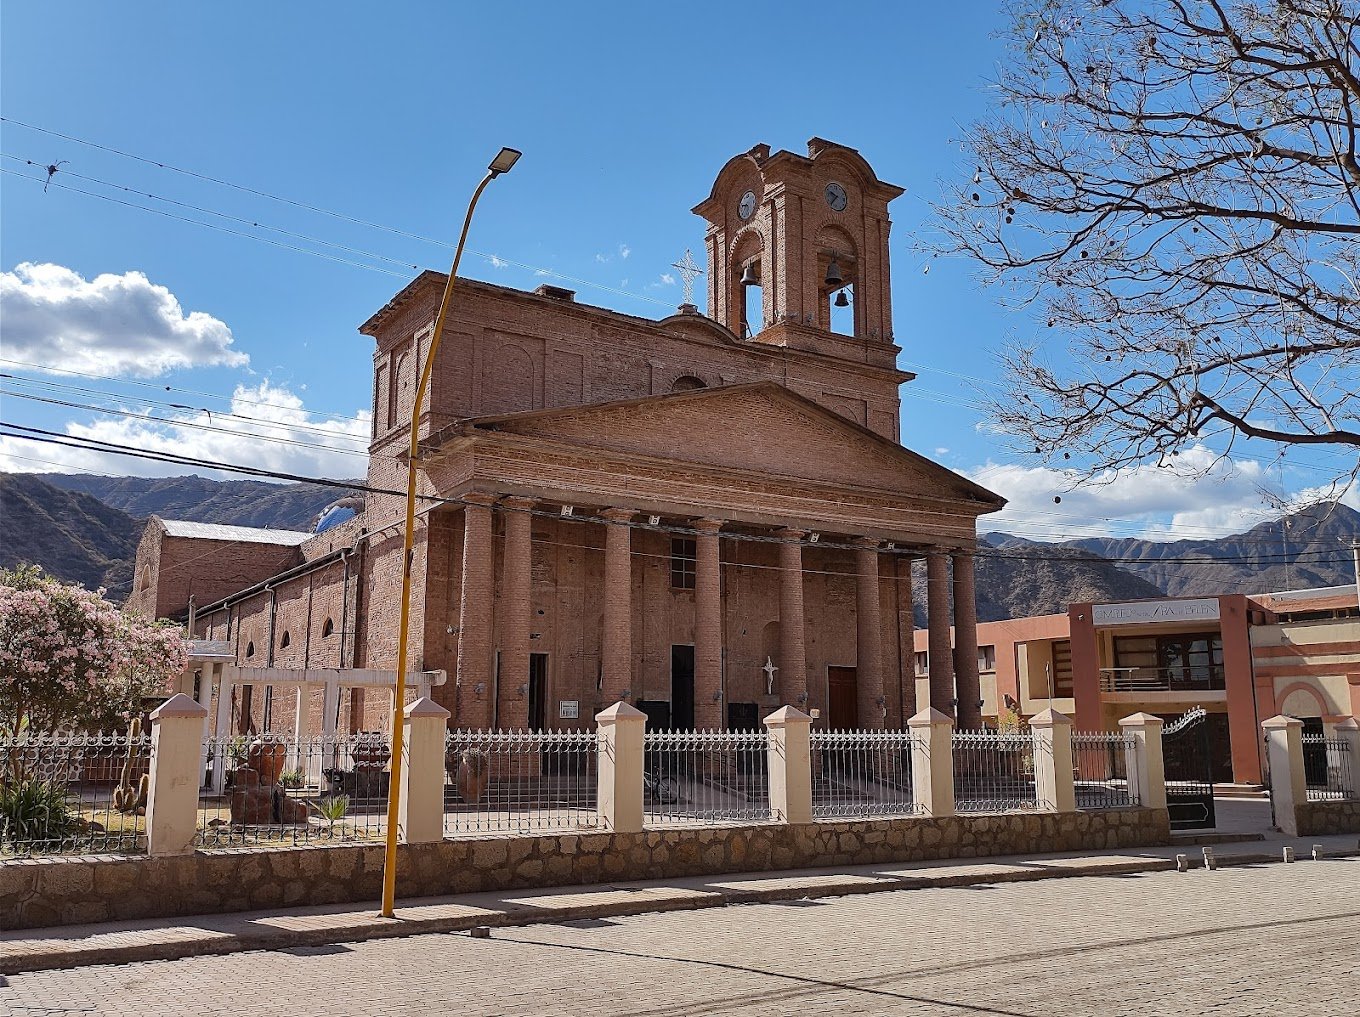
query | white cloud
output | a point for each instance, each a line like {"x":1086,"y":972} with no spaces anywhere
{"x":1152,"y":502}
{"x":624,"y":251}
{"x":114,"y":324}
{"x":602,"y":258}
{"x":281,"y":436}
{"x":497,"y":262}
{"x":942,"y":451}
{"x":667,"y":279}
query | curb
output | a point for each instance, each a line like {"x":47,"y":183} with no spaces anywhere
{"x":216,"y":944}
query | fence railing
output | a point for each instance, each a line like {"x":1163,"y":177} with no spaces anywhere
{"x":861,"y":773}
{"x":705,"y":776}
{"x":1193,"y":678}
{"x":74,"y":793}
{"x":1327,"y":768}
{"x":519,"y":781}
{"x":994,"y":771}
{"x":284,"y":789}
{"x":1100,"y":769}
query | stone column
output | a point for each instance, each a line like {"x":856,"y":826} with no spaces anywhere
{"x":792,"y":651}
{"x":616,"y":643}
{"x":906,"y":637}
{"x":474,"y":614}
{"x":708,"y":677}
{"x":966,"y":679}
{"x":1288,"y":782}
{"x":868,"y":635}
{"x":421,"y":809}
{"x":1144,"y":763}
{"x":1053,"y":781}
{"x":937,"y":618}
{"x":517,"y":603}
{"x":790,"y":765}
{"x":172,"y":791}
{"x":932,"y":762}
{"x":619,"y":767}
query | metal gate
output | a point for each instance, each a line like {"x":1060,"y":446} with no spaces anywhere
{"x":1187,"y":753}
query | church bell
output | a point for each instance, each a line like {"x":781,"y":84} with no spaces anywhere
{"x":842,"y":300}
{"x":833,"y":274}
{"x":749,"y":276}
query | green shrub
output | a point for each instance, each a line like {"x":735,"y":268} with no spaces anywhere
{"x":35,"y":814}
{"x":292,"y":778}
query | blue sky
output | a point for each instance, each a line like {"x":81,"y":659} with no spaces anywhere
{"x":388,"y":113}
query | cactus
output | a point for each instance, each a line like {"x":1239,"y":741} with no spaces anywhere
{"x":126,"y":798}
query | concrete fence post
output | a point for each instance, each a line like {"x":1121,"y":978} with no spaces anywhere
{"x":1144,"y":762}
{"x":932,"y":762}
{"x":619,"y":767}
{"x":172,"y":793}
{"x":421,"y":814}
{"x":790,"y":765}
{"x":1347,"y":762}
{"x":1053,"y":782}
{"x":1288,"y":783}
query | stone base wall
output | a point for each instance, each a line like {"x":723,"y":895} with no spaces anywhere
{"x":1317,"y":819}
{"x":67,"y":891}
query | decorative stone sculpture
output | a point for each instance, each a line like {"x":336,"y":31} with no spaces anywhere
{"x":256,"y":798}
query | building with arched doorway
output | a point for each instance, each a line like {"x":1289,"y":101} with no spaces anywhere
{"x":707,"y":515}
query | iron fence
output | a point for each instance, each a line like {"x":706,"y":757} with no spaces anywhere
{"x":861,"y":773}
{"x":74,"y":793}
{"x":705,"y":776}
{"x":1328,"y":768}
{"x":994,"y":771}
{"x":519,"y":782}
{"x":284,"y":789}
{"x":1100,"y":775}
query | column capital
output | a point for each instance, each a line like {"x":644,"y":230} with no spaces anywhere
{"x":518,"y":503}
{"x":482,"y":499}
{"x":707,"y":524}
{"x":616,"y":514}
{"x":790,"y":533}
{"x":962,"y":552}
{"x":936,"y":551}
{"x":868,"y":543}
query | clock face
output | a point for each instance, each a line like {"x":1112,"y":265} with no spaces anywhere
{"x":835,"y":197}
{"x":748,"y":205}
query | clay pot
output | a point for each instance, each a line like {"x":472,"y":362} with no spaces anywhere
{"x":474,"y":771}
{"x":267,"y":757}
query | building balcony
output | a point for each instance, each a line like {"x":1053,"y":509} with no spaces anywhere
{"x":1139,"y":680}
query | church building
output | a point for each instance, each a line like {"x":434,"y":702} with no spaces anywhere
{"x":709,"y":516}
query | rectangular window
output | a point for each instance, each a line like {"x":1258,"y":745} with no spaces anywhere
{"x":986,"y":658}
{"x":922,"y":663}
{"x":684,"y":562}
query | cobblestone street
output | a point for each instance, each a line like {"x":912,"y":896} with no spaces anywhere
{"x":1281,"y":940}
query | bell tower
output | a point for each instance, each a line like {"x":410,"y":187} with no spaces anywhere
{"x":809,"y":236}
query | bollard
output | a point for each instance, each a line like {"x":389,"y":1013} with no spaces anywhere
{"x":1288,"y":854}
{"x":1317,"y":852}
{"x":1210,"y":862}
{"x":1182,"y":863}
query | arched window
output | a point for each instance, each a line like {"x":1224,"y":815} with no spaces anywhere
{"x":327,"y":628}
{"x":687,"y":383}
{"x":250,"y":648}
{"x":283,"y":643}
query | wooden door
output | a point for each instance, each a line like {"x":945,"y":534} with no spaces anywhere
{"x":842,"y":700}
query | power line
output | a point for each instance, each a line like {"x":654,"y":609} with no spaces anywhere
{"x":43,"y":436}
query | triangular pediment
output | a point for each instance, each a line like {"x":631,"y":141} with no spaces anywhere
{"x":763,"y":428}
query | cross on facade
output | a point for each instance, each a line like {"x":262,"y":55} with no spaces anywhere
{"x":689,"y":271}
{"x":769,"y":670}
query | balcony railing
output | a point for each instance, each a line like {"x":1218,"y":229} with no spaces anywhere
{"x":1200,"y":678}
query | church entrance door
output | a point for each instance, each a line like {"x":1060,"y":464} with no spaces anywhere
{"x":538,"y":691}
{"x":682,"y":688}
{"x":842,"y":699}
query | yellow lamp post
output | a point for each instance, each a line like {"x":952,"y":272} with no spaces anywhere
{"x":505,"y":159}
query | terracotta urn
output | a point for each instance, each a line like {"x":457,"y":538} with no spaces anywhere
{"x":474,"y":771}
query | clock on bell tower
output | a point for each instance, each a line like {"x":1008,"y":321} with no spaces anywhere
{"x":809,"y":234}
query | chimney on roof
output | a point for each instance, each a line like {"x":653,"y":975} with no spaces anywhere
{"x":556,"y":293}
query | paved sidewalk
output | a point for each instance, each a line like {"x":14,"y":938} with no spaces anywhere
{"x":165,"y":939}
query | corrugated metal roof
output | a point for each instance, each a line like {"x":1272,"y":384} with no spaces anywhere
{"x":217,"y":531}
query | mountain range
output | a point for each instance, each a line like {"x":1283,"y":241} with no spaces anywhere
{"x":85,"y":529}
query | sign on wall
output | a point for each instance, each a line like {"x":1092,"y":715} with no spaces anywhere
{"x":1155,"y":611}
{"x":568,"y":709}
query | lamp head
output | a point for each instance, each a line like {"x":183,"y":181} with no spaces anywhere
{"x":504,"y":161}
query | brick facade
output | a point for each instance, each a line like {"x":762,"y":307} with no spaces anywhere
{"x":627,"y":500}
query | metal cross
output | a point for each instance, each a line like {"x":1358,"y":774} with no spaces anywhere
{"x":769,"y":670}
{"x":689,"y":271}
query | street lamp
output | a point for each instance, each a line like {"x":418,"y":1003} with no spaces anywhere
{"x":505,"y":159}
